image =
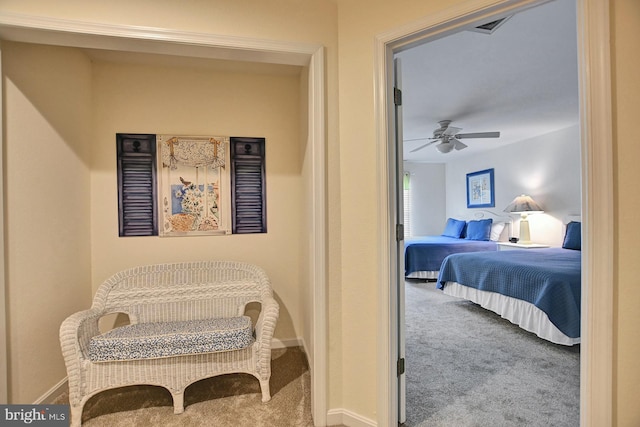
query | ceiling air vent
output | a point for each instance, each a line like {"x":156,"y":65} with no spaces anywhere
{"x":490,"y":27}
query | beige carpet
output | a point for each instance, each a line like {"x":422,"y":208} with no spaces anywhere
{"x":228,"y":400}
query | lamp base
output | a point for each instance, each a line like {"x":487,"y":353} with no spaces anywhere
{"x":525,"y":236}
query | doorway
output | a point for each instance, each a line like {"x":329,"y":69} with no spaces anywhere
{"x":488,"y":78}
{"x":596,"y":136}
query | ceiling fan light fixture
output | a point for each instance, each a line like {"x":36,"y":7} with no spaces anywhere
{"x":449,"y":138}
{"x":444,"y":147}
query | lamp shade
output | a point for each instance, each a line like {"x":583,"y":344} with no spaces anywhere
{"x":523,"y":204}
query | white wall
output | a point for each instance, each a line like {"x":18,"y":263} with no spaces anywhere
{"x":547,"y":168}
{"x":428,"y":197}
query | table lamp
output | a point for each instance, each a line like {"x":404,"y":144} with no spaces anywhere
{"x":524,"y":205}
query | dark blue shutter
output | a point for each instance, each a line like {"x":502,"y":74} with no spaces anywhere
{"x":248,"y":185}
{"x":137,"y":212}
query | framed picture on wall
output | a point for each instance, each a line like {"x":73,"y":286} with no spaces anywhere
{"x":173,"y":185}
{"x":193,"y":185}
{"x":480,"y":189}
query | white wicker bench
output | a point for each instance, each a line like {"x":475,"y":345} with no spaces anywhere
{"x":187,"y":324}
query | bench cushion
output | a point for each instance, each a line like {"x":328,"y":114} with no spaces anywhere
{"x":167,"y":339}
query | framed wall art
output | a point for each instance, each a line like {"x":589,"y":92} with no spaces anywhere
{"x":193,"y":185}
{"x":173,"y":185}
{"x":480,"y":189}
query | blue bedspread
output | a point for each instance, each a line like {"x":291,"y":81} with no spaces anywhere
{"x":547,"y":278}
{"x":426,"y":253}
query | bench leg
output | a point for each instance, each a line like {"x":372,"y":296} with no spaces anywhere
{"x":76,"y":415}
{"x":266,"y":394}
{"x":178,"y":402}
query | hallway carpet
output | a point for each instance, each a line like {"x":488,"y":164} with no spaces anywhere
{"x":227,"y":400}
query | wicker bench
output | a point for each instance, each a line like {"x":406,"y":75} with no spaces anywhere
{"x":187,"y":323}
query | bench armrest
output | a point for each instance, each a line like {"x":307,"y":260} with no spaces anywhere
{"x":266,"y":322}
{"x":77,"y":330}
{"x":75,"y":333}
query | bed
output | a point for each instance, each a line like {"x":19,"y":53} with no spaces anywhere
{"x":537,"y":289}
{"x":423,"y":255}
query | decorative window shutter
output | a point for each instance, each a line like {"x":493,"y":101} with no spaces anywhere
{"x":137,"y":184}
{"x":248,"y":192}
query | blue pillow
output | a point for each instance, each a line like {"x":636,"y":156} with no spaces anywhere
{"x":572,"y":239}
{"x":454,"y":228}
{"x":479,"y":229}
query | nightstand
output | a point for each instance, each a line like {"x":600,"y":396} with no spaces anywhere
{"x":508,"y":246}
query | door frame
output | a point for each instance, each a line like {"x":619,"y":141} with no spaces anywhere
{"x":398,"y":184}
{"x":62,"y":32}
{"x":594,"y":57}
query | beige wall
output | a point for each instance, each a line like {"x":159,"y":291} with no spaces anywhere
{"x":47,"y":91}
{"x":130,"y":98}
{"x":626,"y":93}
{"x":311,"y":22}
{"x":80,"y":106}
{"x":359,"y":23}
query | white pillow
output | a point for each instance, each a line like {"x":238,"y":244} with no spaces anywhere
{"x":496,"y":231}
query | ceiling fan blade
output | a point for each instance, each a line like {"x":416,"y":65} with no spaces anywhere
{"x":422,"y":146}
{"x":478,"y":135}
{"x":417,"y":139}
{"x":451,"y":130}
{"x":458,"y":145}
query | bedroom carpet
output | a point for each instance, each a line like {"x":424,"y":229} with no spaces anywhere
{"x":227,"y":400}
{"x":466,"y":366}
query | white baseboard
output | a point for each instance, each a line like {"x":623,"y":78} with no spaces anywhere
{"x":351,"y":419}
{"x":50,"y":396}
{"x":290,"y":342}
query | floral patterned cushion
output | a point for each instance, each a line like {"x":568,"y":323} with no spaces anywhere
{"x":166,"y":339}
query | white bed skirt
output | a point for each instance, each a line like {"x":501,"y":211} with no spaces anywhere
{"x":522,"y":313}
{"x":423,"y":275}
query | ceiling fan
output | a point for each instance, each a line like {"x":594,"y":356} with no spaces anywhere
{"x":450,"y":138}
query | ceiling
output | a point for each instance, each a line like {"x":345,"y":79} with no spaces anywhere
{"x":520,"y":80}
